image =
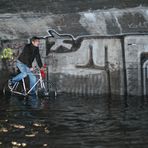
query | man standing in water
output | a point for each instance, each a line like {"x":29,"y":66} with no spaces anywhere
{"x":24,"y":63}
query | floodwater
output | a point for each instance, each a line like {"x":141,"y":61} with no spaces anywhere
{"x":69,"y":121}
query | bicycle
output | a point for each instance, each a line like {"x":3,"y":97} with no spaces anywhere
{"x":20,"y":87}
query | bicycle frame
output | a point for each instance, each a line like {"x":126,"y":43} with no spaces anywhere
{"x":26,"y":92}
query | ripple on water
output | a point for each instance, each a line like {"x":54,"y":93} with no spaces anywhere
{"x":74,"y":121}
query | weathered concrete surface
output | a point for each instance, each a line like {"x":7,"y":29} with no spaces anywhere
{"x":17,"y":46}
{"x":74,"y":73}
{"x":84,"y":72}
{"x":65,"y":6}
{"x":135,"y":46}
{"x":79,"y":76}
{"x":98,"y":22}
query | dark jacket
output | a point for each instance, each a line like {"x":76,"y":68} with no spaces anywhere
{"x":29,"y":53}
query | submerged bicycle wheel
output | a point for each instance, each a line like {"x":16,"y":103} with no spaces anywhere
{"x":41,"y":92}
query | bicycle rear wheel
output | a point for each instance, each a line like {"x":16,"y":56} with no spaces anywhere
{"x":6,"y":90}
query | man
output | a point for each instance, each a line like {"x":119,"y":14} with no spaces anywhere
{"x":25,"y":60}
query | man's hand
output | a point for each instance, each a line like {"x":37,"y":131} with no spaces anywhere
{"x":42,"y":68}
{"x":42,"y":71}
{"x":31,"y":69}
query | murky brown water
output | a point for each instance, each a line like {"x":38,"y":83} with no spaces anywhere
{"x":74,"y":122}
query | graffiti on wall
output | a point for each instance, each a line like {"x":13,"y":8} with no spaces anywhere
{"x":91,"y":64}
{"x":61,"y":43}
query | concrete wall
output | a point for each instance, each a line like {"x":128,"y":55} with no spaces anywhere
{"x":65,"y":6}
{"x":136,"y":49}
{"x":83,"y":71}
{"x":102,"y":52}
{"x":90,"y":69}
{"x":96,"y":22}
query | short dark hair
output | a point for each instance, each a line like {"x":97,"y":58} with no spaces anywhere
{"x":34,"y":38}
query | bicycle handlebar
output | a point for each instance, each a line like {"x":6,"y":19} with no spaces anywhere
{"x":41,"y":72}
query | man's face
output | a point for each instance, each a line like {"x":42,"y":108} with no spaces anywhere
{"x":36,"y":43}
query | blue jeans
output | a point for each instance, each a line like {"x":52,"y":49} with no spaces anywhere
{"x":25,"y":71}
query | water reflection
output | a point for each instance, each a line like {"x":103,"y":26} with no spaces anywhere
{"x":32,"y":101}
{"x":74,"y":122}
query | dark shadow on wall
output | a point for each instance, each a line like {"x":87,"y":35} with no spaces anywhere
{"x":8,"y":67}
{"x":144,"y":74}
{"x":66,"y":6}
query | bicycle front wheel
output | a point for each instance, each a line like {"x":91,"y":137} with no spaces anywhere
{"x":41,"y":92}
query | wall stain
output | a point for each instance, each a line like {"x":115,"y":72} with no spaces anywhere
{"x":91,"y":64}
